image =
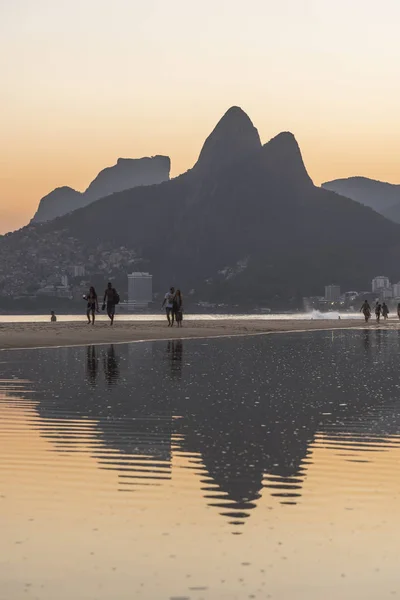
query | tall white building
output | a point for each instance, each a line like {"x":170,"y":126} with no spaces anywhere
{"x":380,"y":283}
{"x":396,"y":290}
{"x":332,"y":293}
{"x":140,"y":288}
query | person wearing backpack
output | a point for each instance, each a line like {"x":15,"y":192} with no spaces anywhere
{"x":110,"y":300}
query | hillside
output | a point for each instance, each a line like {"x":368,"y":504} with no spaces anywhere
{"x":126,"y":174}
{"x":246,"y":225}
{"x":382,"y":197}
{"x":59,"y":202}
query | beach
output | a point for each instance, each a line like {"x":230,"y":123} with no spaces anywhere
{"x":39,"y":334}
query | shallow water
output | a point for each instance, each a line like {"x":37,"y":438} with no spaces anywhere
{"x":251,"y":468}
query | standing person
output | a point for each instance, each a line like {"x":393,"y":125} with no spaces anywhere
{"x":398,"y":310}
{"x":92,"y":305}
{"x":53,"y":317}
{"x":111,"y":298}
{"x":378,"y":309}
{"x":169,"y":306}
{"x":366,"y":310}
{"x":178,"y":308}
{"x":385,"y":311}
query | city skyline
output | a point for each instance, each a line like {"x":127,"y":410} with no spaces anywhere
{"x":86,"y":83}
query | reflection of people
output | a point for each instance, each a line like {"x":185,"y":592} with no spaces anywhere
{"x":367,"y":340}
{"x":378,"y":338}
{"x":175,"y":351}
{"x":366,"y":310}
{"x":91,"y":361}
{"x":111,"y":368}
{"x":92,"y":305}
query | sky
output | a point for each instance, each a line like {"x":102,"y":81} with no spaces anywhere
{"x":84,"y":82}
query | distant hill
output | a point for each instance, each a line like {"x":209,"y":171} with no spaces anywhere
{"x":126,"y":174}
{"x":59,"y":202}
{"x":245,"y":225}
{"x":378,"y":195}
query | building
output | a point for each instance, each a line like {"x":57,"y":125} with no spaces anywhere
{"x":78,"y":271}
{"x":350,"y":296}
{"x":47,"y":290}
{"x":140,"y":289}
{"x":396,"y":290}
{"x":386,"y":293}
{"x":332,"y":293}
{"x":380,"y":283}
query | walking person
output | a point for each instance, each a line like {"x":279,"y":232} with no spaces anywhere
{"x":111,"y":298}
{"x":378,"y":310}
{"x":178,"y":308}
{"x":385,"y":311}
{"x":366,"y":310}
{"x":92,"y":305}
{"x":169,"y":306}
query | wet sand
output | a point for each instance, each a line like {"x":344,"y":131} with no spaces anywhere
{"x":33,"y":335}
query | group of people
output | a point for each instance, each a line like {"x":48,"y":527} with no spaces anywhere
{"x":110,"y":300}
{"x":173,"y":303}
{"x":380,"y":310}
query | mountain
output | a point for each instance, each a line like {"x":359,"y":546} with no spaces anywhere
{"x":126,"y":174}
{"x":245,"y":225}
{"x":234,"y":138}
{"x":58,"y":202}
{"x":383,"y":197}
{"x":393,"y":213}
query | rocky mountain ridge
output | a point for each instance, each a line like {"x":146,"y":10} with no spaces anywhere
{"x":245,"y":225}
{"x":126,"y":174}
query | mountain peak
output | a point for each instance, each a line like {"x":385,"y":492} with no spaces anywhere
{"x":285,"y":139}
{"x":57,"y":203}
{"x":233,"y":138}
{"x":284,"y":157}
{"x":128,"y":173}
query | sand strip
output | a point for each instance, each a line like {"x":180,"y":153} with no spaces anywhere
{"x":34,"y":335}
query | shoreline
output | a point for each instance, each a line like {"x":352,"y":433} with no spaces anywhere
{"x":32,"y":335}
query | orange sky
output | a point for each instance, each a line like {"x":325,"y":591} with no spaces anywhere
{"x":88,"y":81}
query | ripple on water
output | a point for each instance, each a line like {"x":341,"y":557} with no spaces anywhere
{"x":147,"y":458}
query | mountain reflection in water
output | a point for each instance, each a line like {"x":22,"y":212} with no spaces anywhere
{"x":245,"y":412}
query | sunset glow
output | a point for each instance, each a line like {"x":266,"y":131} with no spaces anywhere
{"x":86,"y":82}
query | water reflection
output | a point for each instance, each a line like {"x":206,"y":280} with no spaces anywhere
{"x":244,"y":414}
{"x":91,"y":365}
{"x":111,"y":366}
{"x":175,"y":356}
{"x":367,"y":340}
